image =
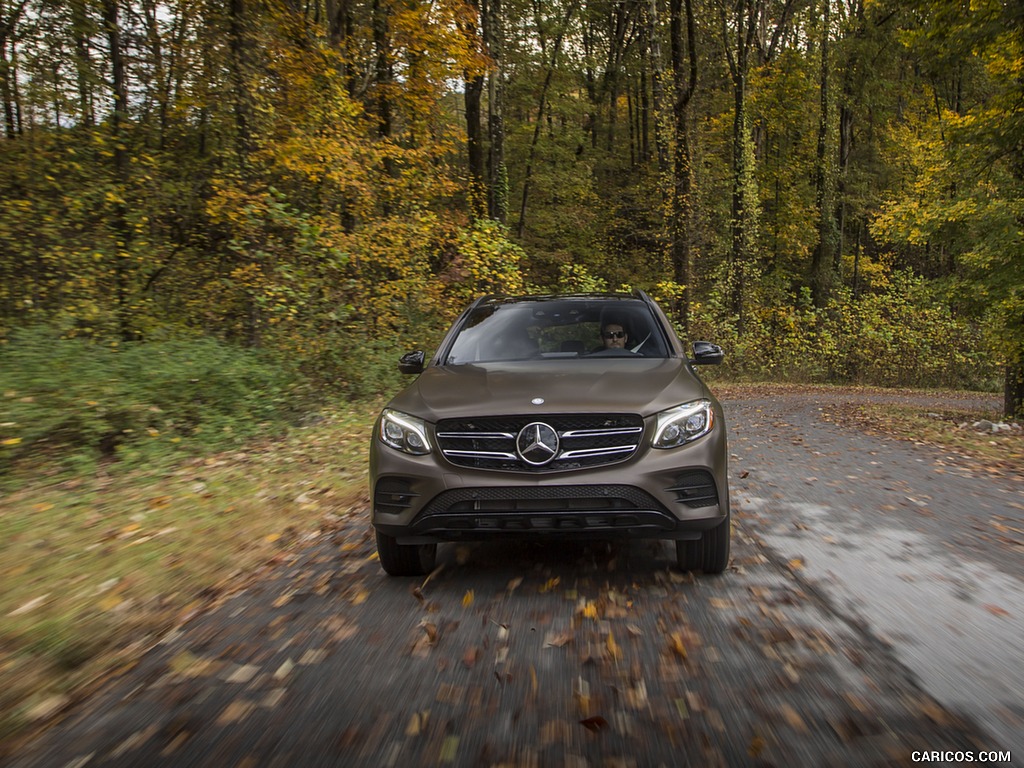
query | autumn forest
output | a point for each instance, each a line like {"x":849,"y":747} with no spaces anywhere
{"x":833,"y":190}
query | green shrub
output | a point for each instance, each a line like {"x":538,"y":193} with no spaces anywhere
{"x":76,"y":399}
{"x":900,"y":335}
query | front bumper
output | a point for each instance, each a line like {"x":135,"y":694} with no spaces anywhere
{"x":666,"y":494}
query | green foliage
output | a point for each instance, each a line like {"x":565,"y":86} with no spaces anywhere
{"x":901,"y":335}
{"x":87,"y":399}
{"x":576,"y":278}
{"x":297,"y":183}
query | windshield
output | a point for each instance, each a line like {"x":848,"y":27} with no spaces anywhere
{"x":560,"y":328}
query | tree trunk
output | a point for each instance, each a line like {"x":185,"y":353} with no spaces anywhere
{"x":616,"y":50}
{"x":8,"y":75}
{"x":474,"y":89}
{"x":540,"y":114}
{"x":685,"y":81}
{"x":497,"y":185}
{"x":82,"y":31}
{"x":384,"y":76}
{"x":645,"y":108}
{"x":240,"y":67}
{"x":739,"y":255}
{"x":744,"y":199}
{"x":823,"y":261}
{"x":653,"y":49}
{"x":1013,"y":391}
{"x":119,"y":216}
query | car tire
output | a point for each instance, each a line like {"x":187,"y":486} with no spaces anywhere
{"x":405,"y":559}
{"x":709,"y":553}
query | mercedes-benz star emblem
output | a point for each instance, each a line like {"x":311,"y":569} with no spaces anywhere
{"x":537,"y":443}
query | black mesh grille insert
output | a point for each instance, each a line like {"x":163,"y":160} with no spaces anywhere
{"x":695,"y":488}
{"x":585,"y":440}
{"x":551,"y":498}
{"x":393,"y":494}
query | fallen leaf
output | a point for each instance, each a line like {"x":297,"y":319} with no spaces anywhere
{"x":796,"y":564}
{"x":451,"y":694}
{"x":514,"y":584}
{"x":467,"y":599}
{"x":613,"y":649}
{"x":793,"y":718}
{"x":636,"y":696}
{"x":431,"y":631}
{"x":757,"y":745}
{"x":555,"y":732}
{"x":417,"y":723}
{"x":681,"y":709}
{"x":550,"y":584}
{"x":109,"y":603}
{"x":284,"y":670}
{"x":995,"y":610}
{"x":594,"y":724}
{"x":449,"y":749}
{"x":313,"y":656}
{"x":235,"y":711}
{"x":48,"y":708}
{"x":582,"y":694}
{"x":433,"y":573}
{"x":470,"y":657}
{"x":676,"y":644}
{"x":558,"y":640}
{"x":243,"y":673}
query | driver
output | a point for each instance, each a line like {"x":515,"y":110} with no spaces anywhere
{"x":614,"y":336}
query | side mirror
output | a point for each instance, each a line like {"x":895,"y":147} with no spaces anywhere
{"x":412,"y":362}
{"x":706,"y":353}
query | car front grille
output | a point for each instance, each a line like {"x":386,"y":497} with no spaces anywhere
{"x":585,"y":440}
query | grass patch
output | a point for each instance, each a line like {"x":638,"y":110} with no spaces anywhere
{"x":948,"y":429}
{"x":68,"y":403}
{"x":98,"y":566}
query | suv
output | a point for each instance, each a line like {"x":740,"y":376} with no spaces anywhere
{"x":527,"y":422}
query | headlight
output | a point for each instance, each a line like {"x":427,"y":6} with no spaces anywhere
{"x":404,"y":432}
{"x":684,"y":423}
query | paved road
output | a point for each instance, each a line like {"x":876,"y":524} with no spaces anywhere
{"x":604,"y":655}
{"x":917,"y":545}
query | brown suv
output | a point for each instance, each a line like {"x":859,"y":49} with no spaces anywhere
{"x":553,"y":416}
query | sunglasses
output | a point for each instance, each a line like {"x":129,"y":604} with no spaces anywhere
{"x":614,"y":334}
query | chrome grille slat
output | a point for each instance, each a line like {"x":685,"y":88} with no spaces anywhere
{"x":585,"y":452}
{"x":599,"y":432}
{"x":481,"y":454}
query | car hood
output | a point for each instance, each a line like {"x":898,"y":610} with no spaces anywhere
{"x":613,"y":385}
